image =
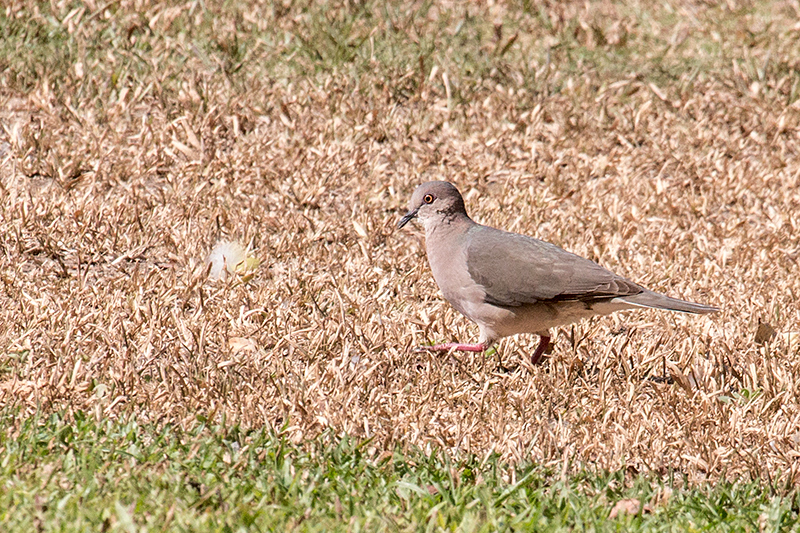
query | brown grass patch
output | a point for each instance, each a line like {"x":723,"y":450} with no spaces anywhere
{"x":689,"y":184}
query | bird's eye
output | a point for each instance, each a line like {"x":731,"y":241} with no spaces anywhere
{"x":428,"y":198}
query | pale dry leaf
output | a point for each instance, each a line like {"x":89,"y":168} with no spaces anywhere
{"x":238,"y":344}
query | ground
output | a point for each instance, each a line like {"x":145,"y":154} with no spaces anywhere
{"x":660,"y":141}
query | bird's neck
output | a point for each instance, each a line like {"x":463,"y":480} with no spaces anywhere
{"x":447,"y":225}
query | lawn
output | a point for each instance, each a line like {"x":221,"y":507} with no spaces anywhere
{"x":81,"y":475}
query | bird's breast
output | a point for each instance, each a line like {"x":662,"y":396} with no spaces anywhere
{"x":448,"y":262}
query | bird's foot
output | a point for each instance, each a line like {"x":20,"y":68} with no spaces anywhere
{"x":544,"y":343}
{"x":454,"y":346}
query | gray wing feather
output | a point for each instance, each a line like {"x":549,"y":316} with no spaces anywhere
{"x":516,"y":270}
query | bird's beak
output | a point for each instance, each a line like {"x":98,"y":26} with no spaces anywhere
{"x":406,"y":219}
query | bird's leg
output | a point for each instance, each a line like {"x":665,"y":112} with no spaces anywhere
{"x":457,"y":346}
{"x":544,"y":343}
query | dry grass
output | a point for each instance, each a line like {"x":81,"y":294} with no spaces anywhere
{"x":677,"y":168}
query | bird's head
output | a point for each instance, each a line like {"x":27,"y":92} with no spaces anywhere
{"x":434,"y":202}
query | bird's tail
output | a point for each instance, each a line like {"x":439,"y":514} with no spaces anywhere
{"x":659,"y":301}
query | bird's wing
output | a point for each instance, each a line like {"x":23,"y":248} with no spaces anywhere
{"x":516,"y":270}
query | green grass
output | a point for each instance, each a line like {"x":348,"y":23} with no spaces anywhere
{"x":242,"y":46}
{"x":79,"y":475}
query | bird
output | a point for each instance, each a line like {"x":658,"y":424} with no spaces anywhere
{"x":508,"y":283}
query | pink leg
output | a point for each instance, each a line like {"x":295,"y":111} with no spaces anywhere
{"x":544,"y":342}
{"x":452,"y":346}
